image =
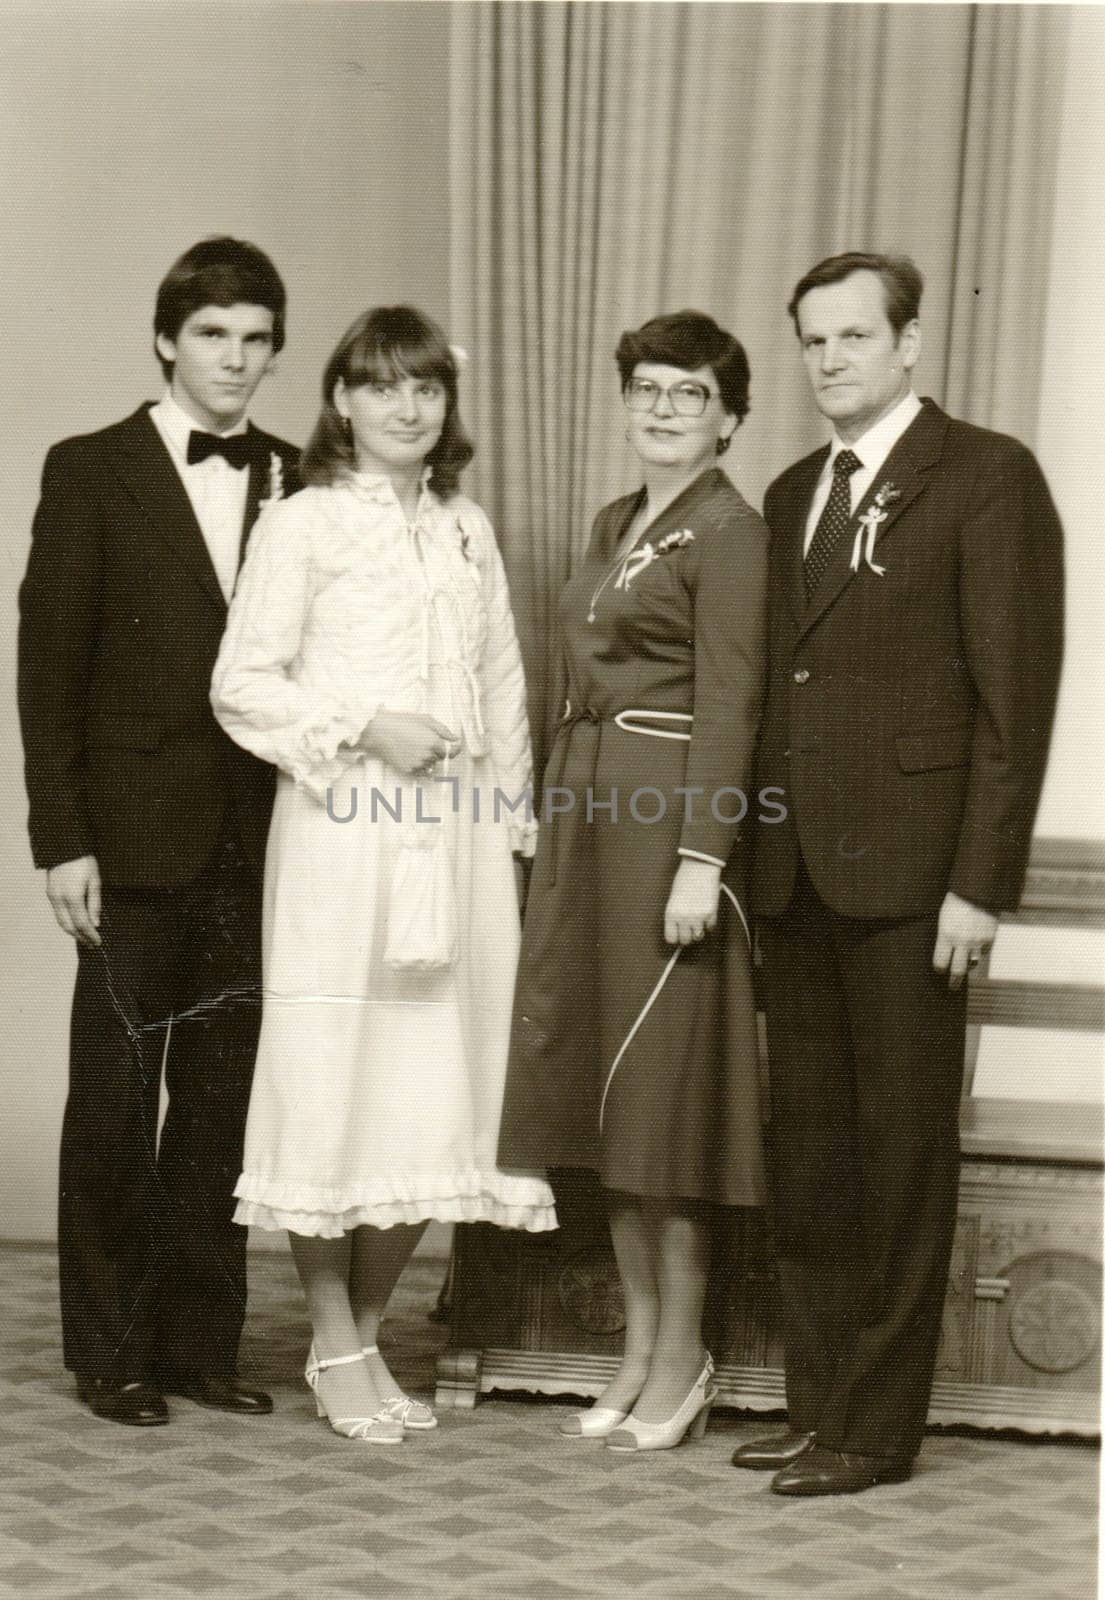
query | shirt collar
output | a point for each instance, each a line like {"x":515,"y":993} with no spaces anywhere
{"x":378,"y":487}
{"x":875,"y":445}
{"x":176,"y":424}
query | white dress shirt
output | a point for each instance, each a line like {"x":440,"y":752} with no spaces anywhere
{"x":872,"y":448}
{"x":216,"y":489}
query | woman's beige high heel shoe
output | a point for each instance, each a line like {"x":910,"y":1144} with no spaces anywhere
{"x":410,"y":1413}
{"x":379,"y":1429}
{"x":689,"y":1422}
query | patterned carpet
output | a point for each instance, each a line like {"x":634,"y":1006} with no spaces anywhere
{"x":491,"y":1505}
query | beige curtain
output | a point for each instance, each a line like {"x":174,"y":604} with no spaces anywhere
{"x":610,"y":161}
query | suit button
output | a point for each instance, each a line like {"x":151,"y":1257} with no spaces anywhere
{"x":802,"y":675}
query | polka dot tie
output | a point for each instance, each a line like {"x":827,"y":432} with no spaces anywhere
{"x":832,"y":523}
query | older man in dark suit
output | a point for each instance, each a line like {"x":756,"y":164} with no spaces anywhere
{"x":915,"y":638}
{"x":151,"y":826}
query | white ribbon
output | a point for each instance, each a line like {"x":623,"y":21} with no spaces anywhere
{"x":634,"y":563}
{"x":868,"y":530}
{"x":650,"y":1002}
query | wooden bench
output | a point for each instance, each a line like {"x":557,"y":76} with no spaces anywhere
{"x":1021,"y":1339}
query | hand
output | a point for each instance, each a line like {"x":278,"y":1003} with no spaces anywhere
{"x":73,"y":889}
{"x":691,"y":910}
{"x":408,"y":741}
{"x":963,"y":933}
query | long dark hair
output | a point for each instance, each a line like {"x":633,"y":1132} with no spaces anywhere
{"x":385,"y":343}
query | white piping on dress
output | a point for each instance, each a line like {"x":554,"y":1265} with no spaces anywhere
{"x":672,"y":959}
{"x":654,"y":733}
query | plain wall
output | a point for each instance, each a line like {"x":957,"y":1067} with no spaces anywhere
{"x":127,"y":132}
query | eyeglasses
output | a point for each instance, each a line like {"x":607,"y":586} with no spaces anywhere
{"x":686,"y":399}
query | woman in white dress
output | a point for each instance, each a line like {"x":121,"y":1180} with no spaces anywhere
{"x":370,"y":654}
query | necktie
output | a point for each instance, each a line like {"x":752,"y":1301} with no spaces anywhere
{"x":236,"y":448}
{"x":833,"y":521}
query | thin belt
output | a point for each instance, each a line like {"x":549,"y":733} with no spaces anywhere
{"x":634,"y":719}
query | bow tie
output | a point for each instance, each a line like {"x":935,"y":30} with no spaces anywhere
{"x":236,"y":448}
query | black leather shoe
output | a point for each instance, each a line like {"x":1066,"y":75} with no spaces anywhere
{"x":137,"y":1404}
{"x":775,"y":1451}
{"x":218,"y":1391}
{"x":821,"y":1471}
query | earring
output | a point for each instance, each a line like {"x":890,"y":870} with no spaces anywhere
{"x":723,"y":444}
{"x":347,"y":429}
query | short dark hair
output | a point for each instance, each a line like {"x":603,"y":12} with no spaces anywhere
{"x":901,"y":281}
{"x":384,"y":343}
{"x":218,"y":272}
{"x":690,"y":339}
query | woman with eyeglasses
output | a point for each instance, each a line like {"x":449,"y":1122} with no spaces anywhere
{"x":633,"y":1048}
{"x":370,"y":655}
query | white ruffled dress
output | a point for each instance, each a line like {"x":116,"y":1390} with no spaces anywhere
{"x":378,"y":1088}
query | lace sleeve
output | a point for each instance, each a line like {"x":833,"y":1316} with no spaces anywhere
{"x":308,"y":733}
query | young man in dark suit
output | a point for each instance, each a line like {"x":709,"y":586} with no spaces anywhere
{"x":150,"y":824}
{"x":915,"y":637}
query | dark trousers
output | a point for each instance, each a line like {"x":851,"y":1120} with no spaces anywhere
{"x":865,"y":1043}
{"x":152,"y":1266}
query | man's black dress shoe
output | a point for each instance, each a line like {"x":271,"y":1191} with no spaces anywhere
{"x":218,"y":1391}
{"x":821,"y":1471}
{"x":136,"y":1404}
{"x":775,"y":1451}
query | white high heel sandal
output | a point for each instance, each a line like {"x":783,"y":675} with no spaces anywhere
{"x":379,"y":1429}
{"x":409,"y":1413}
{"x":595,"y":1423}
{"x":689,"y":1422}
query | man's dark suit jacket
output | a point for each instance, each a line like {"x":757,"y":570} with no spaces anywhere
{"x":121,"y":618}
{"x":909,"y":713}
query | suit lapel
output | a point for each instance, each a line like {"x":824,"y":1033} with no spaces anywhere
{"x":258,"y":481}
{"x":148,"y":472}
{"x":906,"y":470}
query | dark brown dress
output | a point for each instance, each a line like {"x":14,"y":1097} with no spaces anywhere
{"x":630,"y":1056}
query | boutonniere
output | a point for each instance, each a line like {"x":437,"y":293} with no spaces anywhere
{"x":869,"y":525}
{"x":275,"y":487}
{"x":646,"y":554}
{"x":675,"y":541}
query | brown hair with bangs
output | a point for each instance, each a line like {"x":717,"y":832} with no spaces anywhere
{"x":385,"y":343}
